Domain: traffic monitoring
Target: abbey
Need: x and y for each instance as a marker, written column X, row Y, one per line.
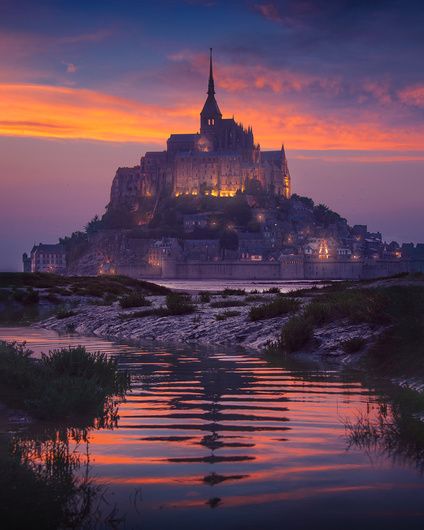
column 218, row 160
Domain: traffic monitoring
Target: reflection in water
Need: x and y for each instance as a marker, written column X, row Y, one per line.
column 393, row 432
column 48, row 472
column 210, row 438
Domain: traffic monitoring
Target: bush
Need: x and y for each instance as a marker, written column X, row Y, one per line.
column 272, row 290
column 179, row 304
column 227, row 314
column 358, row 305
column 66, row 382
column 353, row 345
column 205, row 297
column 296, row 333
column 277, row 307
column 134, row 300
column 228, row 303
column 255, row 298
column 65, row 313
column 233, row 292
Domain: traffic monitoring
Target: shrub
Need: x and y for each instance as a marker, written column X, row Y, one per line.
column 272, row 290
column 179, row 304
column 255, row 298
column 277, row 307
column 66, row 382
column 205, row 297
column 296, row 333
column 228, row 303
column 134, row 300
column 233, row 292
column 65, row 313
column 358, row 305
column 227, row 314
column 353, row 345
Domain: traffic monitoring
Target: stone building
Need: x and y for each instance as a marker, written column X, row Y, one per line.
column 46, row 258
column 218, row 160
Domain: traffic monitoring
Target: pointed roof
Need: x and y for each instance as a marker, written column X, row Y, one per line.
column 211, row 84
column 210, row 108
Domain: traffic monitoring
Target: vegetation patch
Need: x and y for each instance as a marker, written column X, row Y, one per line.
column 277, row 307
column 96, row 285
column 205, row 297
column 233, row 292
column 272, row 290
column 228, row 303
column 357, row 305
column 134, row 300
column 395, row 431
column 179, row 304
column 295, row 334
column 227, row 314
column 65, row 313
column 64, row 383
column 255, row 298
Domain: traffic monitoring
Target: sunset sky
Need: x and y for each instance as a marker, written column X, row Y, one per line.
column 87, row 86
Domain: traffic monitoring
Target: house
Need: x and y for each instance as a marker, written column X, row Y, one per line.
column 47, row 258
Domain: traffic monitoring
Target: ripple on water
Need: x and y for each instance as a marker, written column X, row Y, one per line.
column 262, row 445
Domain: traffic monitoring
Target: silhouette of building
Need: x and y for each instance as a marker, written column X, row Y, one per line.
column 218, row 160
column 45, row 258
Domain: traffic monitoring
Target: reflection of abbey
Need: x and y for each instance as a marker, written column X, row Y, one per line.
column 218, row 160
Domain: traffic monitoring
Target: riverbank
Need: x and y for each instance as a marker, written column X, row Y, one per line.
column 348, row 319
column 339, row 323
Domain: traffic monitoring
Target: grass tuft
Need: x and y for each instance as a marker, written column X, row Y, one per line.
column 63, row 383
column 134, row 300
column 277, row 307
column 227, row 314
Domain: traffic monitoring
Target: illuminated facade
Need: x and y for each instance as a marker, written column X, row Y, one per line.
column 218, row 160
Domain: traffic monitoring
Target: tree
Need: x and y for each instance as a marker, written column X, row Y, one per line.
column 94, row 225
column 309, row 203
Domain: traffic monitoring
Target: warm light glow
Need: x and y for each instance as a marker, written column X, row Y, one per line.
column 323, row 251
column 33, row 110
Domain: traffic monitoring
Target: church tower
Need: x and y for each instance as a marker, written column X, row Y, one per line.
column 211, row 116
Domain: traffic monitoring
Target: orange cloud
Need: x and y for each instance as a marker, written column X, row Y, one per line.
column 64, row 112
column 413, row 96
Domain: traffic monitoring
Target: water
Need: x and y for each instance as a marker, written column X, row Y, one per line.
column 212, row 439
column 248, row 285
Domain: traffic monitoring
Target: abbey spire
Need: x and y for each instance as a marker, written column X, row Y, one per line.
column 211, row 85
column 210, row 115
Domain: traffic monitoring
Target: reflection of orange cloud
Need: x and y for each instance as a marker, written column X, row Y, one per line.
column 64, row 112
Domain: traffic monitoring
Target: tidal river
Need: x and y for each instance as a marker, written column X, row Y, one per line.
column 214, row 439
